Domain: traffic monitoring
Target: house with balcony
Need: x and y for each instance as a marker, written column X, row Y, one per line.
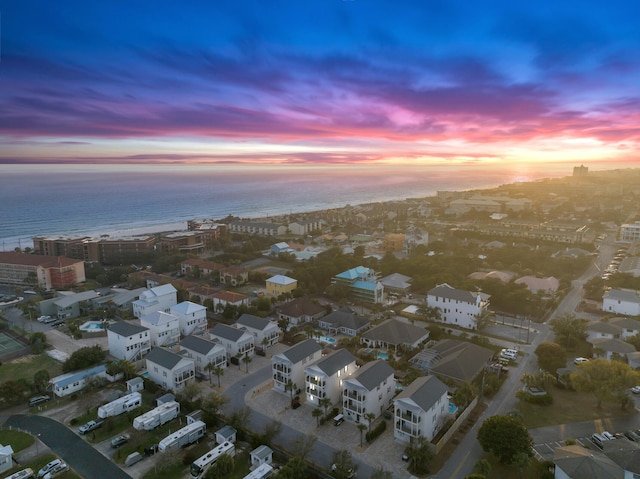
column 169, row 370
column 192, row 317
column 458, row 307
column 164, row 328
column 421, row 409
column 234, row 276
column 160, row 298
column 622, row 301
column 290, row 365
column 265, row 331
column 344, row 321
column 369, row 390
column 128, row 341
column 237, row 343
column 204, row 352
column 324, row 378
column 362, row 283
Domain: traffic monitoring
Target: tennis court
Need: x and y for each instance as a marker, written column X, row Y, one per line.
column 9, row 344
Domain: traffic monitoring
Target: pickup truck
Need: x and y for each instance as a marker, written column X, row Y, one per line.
column 90, row 426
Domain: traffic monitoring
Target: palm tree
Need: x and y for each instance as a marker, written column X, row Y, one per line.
column 216, row 369
column 370, row 417
column 246, row 360
column 317, row 412
column 290, row 386
column 324, row 403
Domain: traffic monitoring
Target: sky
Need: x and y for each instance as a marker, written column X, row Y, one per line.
column 320, row 82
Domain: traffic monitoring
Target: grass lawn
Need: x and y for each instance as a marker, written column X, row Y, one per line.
column 568, row 406
column 27, row 366
column 17, row 439
column 39, row 462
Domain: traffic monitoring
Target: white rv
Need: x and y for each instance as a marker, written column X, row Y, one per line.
column 157, row 417
column 183, row 437
column 124, row 404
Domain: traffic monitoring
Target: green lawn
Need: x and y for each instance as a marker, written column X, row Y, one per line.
column 25, row 368
column 16, row 439
column 568, row 406
column 40, row 461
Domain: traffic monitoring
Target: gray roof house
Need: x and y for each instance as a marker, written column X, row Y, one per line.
column 289, row 365
column 236, row 341
column 323, row 379
column 394, row 333
column 169, row 370
column 606, row 347
column 128, row 341
column 203, row 352
column 345, row 322
column 396, row 282
column 420, row 409
column 460, row 361
column 370, row 389
column 265, row 331
column 577, row 462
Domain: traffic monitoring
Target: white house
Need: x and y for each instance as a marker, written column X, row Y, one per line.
column 164, row 328
column 622, row 301
column 458, row 307
column 629, row 327
column 236, row 341
column 369, row 390
column 69, row 383
column 261, row 455
column 289, row 365
column 602, row 329
column 420, row 409
column 204, row 352
column 6, row 458
column 160, row 298
column 128, row 341
column 344, row 321
column 192, row 317
column 265, row 332
column 324, row 378
column 169, row 370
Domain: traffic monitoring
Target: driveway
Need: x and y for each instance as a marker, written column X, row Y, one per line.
column 71, row 448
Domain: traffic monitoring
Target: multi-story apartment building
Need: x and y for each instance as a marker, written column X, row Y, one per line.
column 305, row 227
column 105, row 249
column 363, row 284
column 630, row 231
column 458, row 307
column 257, row 228
column 288, row 367
column 369, row 390
column 192, row 317
column 324, row 378
column 169, row 370
column 421, row 409
column 47, row 272
column 128, row 341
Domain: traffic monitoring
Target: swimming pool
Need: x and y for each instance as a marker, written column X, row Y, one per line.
column 452, row 408
column 380, row 355
column 91, row 327
column 325, row 339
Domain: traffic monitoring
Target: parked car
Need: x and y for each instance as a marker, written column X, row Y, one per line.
column 635, row 389
column 120, row 440
column 50, row 466
column 90, row 426
column 580, row 360
column 35, row 400
column 632, row 436
column 58, row 469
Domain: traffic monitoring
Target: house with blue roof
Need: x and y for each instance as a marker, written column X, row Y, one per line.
column 70, row 383
column 363, row 283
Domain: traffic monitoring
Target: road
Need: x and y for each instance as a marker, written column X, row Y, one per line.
column 71, row 448
column 289, row 438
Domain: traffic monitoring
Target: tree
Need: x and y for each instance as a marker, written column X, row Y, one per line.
column 291, row 387
column 342, row 465
column 324, row 403
column 420, row 455
column 41, row 380
column 239, row 418
column 317, row 413
column 606, row 380
column 551, row 357
column 505, row 437
column 221, row 469
column 540, row 379
column 463, row 395
column 212, row 404
column 482, row 467
column 521, row 460
column 295, row 468
column 83, row 358
column 38, row 342
column 212, row 369
column 568, row 329
column 246, row 360
column 370, row 417
column 362, row 428
column 305, row 446
column 380, row 473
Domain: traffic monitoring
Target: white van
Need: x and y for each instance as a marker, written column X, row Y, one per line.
column 24, row 474
column 339, row 419
column 511, row 354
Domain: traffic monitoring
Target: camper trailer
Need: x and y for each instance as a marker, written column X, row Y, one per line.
column 157, row 417
column 183, row 437
column 124, row 404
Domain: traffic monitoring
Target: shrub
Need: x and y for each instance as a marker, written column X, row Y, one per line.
column 376, row 431
column 545, row 400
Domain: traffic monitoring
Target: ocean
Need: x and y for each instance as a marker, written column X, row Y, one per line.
column 38, row 200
